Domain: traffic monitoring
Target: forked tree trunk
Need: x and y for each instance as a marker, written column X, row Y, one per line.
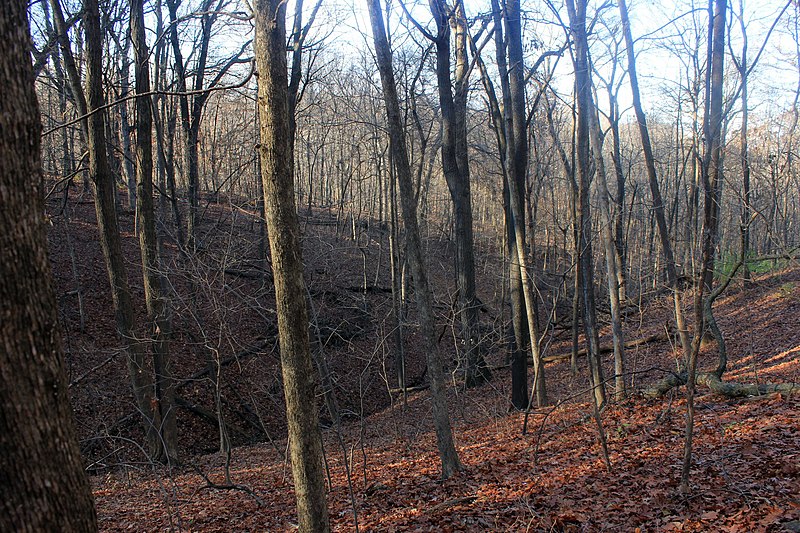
column 455, row 167
column 44, row 486
column 305, row 441
column 441, row 418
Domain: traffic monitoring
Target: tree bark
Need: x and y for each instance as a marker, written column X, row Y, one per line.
column 105, row 208
column 516, row 134
column 610, row 250
column 577, row 16
column 305, row 441
column 455, row 167
column 44, row 486
column 422, row 291
column 158, row 310
column 711, row 175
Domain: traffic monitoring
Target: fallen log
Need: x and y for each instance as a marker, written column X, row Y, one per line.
column 609, row 348
column 729, row 389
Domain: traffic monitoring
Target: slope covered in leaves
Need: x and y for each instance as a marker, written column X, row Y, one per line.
column 746, row 474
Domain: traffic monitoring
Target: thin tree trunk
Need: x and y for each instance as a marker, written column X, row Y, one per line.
column 158, row 310
column 611, row 258
column 658, row 203
column 712, row 175
column 577, row 15
column 512, row 83
column 441, row 418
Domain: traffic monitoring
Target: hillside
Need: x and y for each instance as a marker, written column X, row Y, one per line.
column 553, row 478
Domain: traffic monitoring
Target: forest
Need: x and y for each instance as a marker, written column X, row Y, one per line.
column 396, row 265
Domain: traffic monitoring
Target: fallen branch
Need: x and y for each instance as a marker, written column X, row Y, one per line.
column 415, row 388
column 209, row 416
column 226, row 486
column 465, row 500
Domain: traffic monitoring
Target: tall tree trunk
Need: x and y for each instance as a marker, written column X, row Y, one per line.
column 125, row 124
column 516, row 134
column 158, row 310
column 655, row 191
column 610, row 250
column 577, row 16
column 745, row 156
column 712, row 176
column 44, row 485
column 104, row 186
column 455, row 166
column 422, row 291
column 519, row 335
column 305, row 440
column 185, row 120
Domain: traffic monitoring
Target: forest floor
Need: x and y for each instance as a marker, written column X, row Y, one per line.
column 746, row 474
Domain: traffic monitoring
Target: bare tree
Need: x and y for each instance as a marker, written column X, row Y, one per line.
column 455, row 166
column 422, row 291
column 712, row 180
column 655, row 191
column 158, row 310
column 583, row 88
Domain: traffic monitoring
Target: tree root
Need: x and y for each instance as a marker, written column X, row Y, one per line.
column 723, row 388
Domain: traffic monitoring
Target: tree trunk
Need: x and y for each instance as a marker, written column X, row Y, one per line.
column 44, row 486
column 712, row 175
column 158, row 310
column 655, row 191
column 516, row 135
column 305, row 441
column 609, row 248
column 577, row 16
column 441, row 418
column 455, row 166
column 103, row 181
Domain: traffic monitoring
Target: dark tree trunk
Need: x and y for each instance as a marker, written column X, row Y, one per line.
column 455, row 166
column 105, row 208
column 577, row 16
column 516, row 136
column 441, row 418
column 305, row 441
column 158, row 311
column 44, row 486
